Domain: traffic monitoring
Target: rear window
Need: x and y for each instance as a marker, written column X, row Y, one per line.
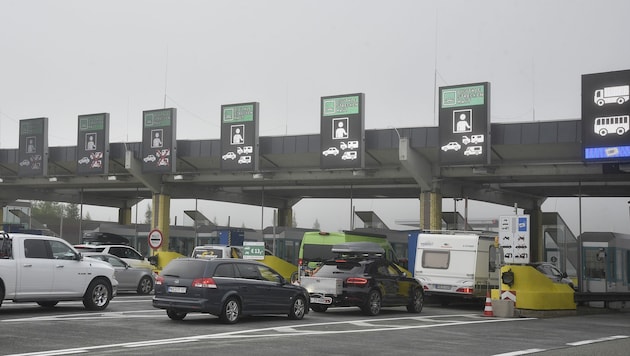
column 317, row 253
column 436, row 259
column 185, row 268
column 339, row 268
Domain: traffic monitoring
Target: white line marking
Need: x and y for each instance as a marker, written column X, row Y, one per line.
column 272, row 332
column 601, row 339
column 521, row 352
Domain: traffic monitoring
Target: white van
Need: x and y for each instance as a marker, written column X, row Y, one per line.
column 456, row 264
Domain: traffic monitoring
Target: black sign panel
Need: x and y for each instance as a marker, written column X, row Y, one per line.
column 93, row 144
column 606, row 116
column 465, row 124
column 342, row 133
column 239, row 137
column 159, row 142
column 33, row 151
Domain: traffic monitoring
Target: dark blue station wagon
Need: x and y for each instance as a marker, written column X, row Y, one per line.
column 227, row 288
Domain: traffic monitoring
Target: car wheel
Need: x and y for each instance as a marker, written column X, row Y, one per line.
column 145, row 286
column 1, row 294
column 175, row 315
column 319, row 308
column 48, row 303
column 97, row 295
column 231, row 311
column 372, row 304
column 298, row 309
column 417, row 301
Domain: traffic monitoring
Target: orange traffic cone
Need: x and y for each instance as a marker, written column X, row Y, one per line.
column 487, row 310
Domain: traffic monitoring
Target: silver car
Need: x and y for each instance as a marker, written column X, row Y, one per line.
column 130, row 278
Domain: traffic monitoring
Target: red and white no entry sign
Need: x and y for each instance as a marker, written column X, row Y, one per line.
column 155, row 239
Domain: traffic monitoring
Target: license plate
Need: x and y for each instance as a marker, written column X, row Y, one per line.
column 442, row 286
column 177, row 289
column 321, row 300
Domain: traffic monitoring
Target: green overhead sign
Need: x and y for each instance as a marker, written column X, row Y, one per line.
column 345, row 105
column 463, row 96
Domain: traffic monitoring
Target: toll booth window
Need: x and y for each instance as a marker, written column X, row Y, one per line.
column 492, row 259
column 436, row 259
column 595, row 263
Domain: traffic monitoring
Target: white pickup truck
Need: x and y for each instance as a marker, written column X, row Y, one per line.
column 46, row 270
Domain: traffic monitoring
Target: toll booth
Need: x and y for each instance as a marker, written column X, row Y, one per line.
column 605, row 263
column 232, row 237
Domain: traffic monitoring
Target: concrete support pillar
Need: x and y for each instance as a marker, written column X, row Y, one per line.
column 124, row 216
column 536, row 243
column 430, row 210
column 160, row 217
column 285, row 217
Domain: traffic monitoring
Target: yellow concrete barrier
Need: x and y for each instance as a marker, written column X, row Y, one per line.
column 535, row 291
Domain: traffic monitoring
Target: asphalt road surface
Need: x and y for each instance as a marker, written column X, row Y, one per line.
column 130, row 325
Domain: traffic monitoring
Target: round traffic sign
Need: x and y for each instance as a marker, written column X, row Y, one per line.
column 155, row 239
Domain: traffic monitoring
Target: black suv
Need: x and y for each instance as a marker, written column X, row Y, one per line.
column 227, row 288
column 368, row 282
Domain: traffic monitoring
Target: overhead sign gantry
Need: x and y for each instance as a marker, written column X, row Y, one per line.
column 606, row 116
column 239, row 137
column 342, row 133
column 33, row 150
column 93, row 144
column 464, row 118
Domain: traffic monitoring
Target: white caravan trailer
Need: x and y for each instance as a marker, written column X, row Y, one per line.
column 454, row 265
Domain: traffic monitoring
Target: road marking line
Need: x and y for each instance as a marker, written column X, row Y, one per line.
column 251, row 334
column 521, row 352
column 601, row 339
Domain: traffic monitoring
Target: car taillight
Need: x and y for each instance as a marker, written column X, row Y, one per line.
column 425, row 287
column 204, row 283
column 466, row 290
column 357, row 281
column 159, row 280
column 300, row 262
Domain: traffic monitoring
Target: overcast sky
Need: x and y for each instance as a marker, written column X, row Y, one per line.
column 60, row 59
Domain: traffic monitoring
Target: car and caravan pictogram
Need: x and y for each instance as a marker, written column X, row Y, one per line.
column 245, row 150
column 474, row 139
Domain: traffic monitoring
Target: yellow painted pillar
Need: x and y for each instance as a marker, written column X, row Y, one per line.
column 430, row 211
column 124, row 216
column 160, row 217
column 285, row 217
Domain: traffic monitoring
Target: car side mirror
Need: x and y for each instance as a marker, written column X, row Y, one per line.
column 153, row 260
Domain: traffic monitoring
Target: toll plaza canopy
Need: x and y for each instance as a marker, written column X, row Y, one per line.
column 529, row 162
